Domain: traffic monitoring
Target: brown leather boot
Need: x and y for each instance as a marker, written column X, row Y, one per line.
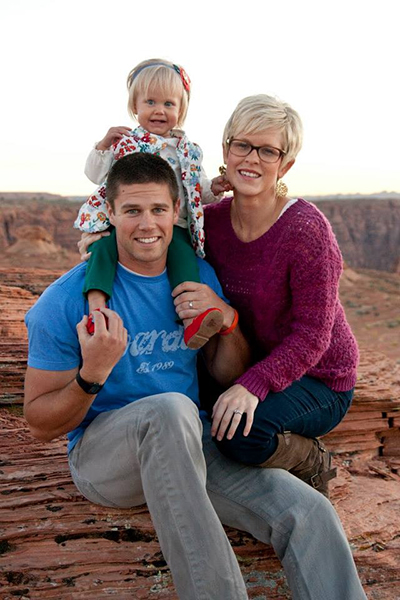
column 306, row 458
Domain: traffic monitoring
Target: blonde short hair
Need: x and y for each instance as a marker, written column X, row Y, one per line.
column 258, row 113
column 157, row 74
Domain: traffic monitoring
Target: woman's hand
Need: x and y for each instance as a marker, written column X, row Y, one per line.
column 113, row 135
column 192, row 299
column 237, row 398
column 86, row 240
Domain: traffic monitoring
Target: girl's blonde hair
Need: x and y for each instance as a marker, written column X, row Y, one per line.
column 258, row 113
column 161, row 75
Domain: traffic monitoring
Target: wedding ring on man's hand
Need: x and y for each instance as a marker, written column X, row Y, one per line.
column 237, row 412
column 190, row 304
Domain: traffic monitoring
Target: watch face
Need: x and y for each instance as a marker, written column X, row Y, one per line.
column 94, row 388
column 88, row 387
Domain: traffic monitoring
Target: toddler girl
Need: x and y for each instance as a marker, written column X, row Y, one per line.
column 159, row 93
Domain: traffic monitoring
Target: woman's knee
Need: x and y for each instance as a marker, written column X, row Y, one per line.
column 249, row 450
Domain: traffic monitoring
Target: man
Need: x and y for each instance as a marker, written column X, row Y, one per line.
column 128, row 399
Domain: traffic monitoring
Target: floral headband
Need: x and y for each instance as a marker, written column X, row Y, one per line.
column 180, row 70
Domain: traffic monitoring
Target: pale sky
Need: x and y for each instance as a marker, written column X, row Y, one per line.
column 65, row 63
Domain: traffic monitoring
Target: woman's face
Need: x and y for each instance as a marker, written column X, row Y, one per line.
column 249, row 175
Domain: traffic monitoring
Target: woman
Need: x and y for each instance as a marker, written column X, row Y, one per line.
column 279, row 264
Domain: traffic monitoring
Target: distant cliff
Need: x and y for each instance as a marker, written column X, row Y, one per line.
column 56, row 216
column 368, row 231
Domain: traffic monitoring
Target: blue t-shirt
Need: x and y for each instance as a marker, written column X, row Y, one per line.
column 156, row 359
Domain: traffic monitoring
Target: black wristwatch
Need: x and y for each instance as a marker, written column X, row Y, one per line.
column 88, row 387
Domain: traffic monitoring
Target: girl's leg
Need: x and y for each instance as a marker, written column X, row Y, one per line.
column 100, row 271
column 306, row 409
column 181, row 260
column 182, row 266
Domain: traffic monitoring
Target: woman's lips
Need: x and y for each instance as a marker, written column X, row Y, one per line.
column 250, row 174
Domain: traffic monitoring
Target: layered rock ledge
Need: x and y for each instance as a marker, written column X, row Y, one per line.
column 54, row 544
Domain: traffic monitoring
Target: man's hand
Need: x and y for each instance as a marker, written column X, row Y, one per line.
column 192, row 299
column 237, row 398
column 86, row 240
column 101, row 351
column 113, row 135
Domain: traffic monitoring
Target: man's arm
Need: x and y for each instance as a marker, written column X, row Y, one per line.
column 228, row 356
column 54, row 402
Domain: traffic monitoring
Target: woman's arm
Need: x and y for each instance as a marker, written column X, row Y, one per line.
column 315, row 266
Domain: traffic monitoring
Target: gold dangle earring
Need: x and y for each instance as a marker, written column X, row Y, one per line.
column 281, row 189
column 222, row 170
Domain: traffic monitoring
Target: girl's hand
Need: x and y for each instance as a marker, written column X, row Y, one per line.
column 219, row 185
column 86, row 240
column 113, row 135
column 192, row 299
column 237, row 398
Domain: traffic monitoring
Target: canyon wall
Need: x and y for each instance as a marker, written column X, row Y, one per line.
column 57, row 217
column 368, row 231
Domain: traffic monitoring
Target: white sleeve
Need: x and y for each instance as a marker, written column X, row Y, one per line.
column 98, row 163
column 207, row 197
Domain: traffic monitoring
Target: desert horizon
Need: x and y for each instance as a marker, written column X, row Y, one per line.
column 41, row 195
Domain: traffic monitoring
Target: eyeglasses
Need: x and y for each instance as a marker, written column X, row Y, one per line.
column 267, row 154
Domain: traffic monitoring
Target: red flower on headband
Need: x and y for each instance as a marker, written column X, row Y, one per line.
column 184, row 77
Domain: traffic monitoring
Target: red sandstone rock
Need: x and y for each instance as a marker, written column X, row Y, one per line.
column 56, row 545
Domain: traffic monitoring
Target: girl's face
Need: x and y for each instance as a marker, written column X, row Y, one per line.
column 249, row 175
column 158, row 113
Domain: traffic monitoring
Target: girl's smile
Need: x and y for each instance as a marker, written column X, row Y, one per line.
column 158, row 113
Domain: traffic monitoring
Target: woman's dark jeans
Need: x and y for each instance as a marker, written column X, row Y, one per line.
column 307, row 407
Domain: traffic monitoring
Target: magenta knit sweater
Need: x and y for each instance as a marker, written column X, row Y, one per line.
column 285, row 287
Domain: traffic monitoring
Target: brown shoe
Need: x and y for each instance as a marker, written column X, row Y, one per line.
column 306, row 458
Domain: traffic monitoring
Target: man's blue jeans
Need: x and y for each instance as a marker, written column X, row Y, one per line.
column 156, row 451
column 308, row 407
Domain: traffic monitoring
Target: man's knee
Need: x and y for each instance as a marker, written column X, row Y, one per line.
column 173, row 405
column 169, row 410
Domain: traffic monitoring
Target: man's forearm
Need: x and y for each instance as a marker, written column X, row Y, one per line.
column 59, row 411
column 227, row 357
column 54, row 402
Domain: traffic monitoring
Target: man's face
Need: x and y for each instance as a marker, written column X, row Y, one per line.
column 144, row 217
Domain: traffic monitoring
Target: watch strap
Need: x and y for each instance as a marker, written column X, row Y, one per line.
column 88, row 386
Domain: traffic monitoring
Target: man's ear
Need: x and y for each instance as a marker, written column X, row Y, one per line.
column 111, row 215
column 176, row 211
column 285, row 169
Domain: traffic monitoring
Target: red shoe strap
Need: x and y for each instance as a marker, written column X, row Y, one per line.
column 233, row 326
